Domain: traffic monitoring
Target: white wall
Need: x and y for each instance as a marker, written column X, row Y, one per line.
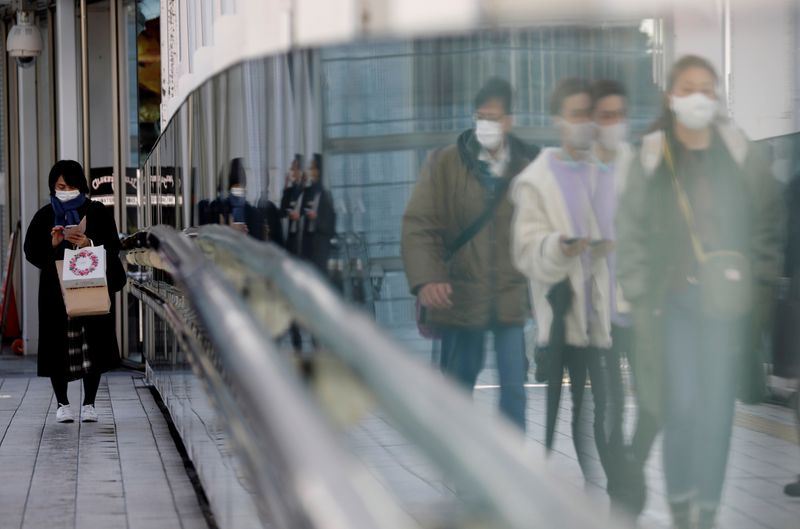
column 764, row 89
column 67, row 70
column 100, row 107
column 29, row 200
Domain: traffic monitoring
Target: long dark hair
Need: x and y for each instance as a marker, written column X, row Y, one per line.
column 666, row 121
column 72, row 173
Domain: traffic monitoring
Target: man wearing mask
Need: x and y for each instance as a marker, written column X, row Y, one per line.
column 456, row 249
column 613, row 156
column 558, row 243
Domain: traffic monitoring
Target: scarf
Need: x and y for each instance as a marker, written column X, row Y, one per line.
column 66, row 213
column 237, row 205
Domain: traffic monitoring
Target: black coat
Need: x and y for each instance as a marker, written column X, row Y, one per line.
column 100, row 331
column 219, row 212
column 315, row 245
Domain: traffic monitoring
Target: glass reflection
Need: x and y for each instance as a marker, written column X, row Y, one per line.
column 497, row 193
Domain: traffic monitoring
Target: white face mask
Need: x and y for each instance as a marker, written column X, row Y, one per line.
column 579, row 136
column 489, row 133
column 611, row 136
column 237, row 192
column 695, row 111
column 66, row 196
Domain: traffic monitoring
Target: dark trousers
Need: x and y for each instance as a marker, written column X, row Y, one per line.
column 602, row 369
column 91, row 382
column 463, row 355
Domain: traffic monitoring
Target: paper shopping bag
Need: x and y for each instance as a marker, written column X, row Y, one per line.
column 85, row 267
column 83, row 301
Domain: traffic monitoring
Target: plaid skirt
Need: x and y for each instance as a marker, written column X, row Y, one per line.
column 77, row 350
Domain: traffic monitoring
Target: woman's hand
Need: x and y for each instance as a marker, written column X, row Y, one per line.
column 78, row 239
column 57, row 236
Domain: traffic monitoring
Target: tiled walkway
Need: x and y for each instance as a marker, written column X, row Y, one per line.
column 764, row 457
column 121, row 472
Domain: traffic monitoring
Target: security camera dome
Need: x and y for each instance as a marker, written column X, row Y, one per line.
column 24, row 40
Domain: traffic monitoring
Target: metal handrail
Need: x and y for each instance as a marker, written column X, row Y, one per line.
column 313, row 483
column 485, row 454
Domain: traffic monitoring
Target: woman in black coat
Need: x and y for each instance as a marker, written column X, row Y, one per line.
column 45, row 243
column 319, row 219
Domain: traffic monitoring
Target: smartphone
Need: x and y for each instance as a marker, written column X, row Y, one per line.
column 573, row 240
column 598, row 242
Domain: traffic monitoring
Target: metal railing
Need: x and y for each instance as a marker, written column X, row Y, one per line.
column 485, row 455
column 301, row 475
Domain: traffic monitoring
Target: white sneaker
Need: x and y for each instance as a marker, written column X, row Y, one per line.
column 88, row 413
column 64, row 414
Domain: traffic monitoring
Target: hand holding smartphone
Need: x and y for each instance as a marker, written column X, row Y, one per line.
column 573, row 246
column 602, row 247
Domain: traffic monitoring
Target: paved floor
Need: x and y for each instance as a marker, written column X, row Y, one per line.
column 764, row 457
column 122, row 472
column 125, row 471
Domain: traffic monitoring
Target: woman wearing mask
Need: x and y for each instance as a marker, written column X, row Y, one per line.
column 318, row 222
column 699, row 228
column 557, row 243
column 234, row 210
column 291, row 204
column 45, row 242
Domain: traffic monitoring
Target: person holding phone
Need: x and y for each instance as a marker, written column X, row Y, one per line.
column 291, row 204
column 699, row 194
column 45, row 241
column 555, row 234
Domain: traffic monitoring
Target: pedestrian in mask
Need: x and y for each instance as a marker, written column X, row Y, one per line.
column 456, row 249
column 559, row 245
column 699, row 246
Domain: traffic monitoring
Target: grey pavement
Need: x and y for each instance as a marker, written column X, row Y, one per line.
column 121, row 472
column 764, row 457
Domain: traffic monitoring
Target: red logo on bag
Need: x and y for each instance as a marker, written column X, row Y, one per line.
column 79, row 266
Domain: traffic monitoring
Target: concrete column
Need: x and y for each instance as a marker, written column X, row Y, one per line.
column 67, row 69
column 29, row 200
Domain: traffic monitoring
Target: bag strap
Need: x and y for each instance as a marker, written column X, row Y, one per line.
column 478, row 224
column 685, row 205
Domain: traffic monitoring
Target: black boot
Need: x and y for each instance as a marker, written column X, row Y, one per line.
column 706, row 518
column 793, row 489
column 681, row 514
column 628, row 491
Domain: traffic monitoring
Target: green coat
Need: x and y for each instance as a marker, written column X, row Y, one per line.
column 447, row 198
column 653, row 239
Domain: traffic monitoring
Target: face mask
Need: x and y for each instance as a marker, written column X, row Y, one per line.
column 237, row 192
column 489, row 133
column 610, row 136
column 695, row 111
column 579, row 136
column 66, row 196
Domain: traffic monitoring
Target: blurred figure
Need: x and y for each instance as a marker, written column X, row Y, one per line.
column 272, row 219
column 559, row 244
column 787, row 363
column 233, row 209
column 456, row 249
column 316, row 226
column 318, row 218
column 700, row 224
column 613, row 156
column 291, row 203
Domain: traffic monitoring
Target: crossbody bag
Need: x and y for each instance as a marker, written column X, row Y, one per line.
column 724, row 277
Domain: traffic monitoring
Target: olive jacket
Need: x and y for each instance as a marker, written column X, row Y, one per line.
column 451, row 193
column 654, row 248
